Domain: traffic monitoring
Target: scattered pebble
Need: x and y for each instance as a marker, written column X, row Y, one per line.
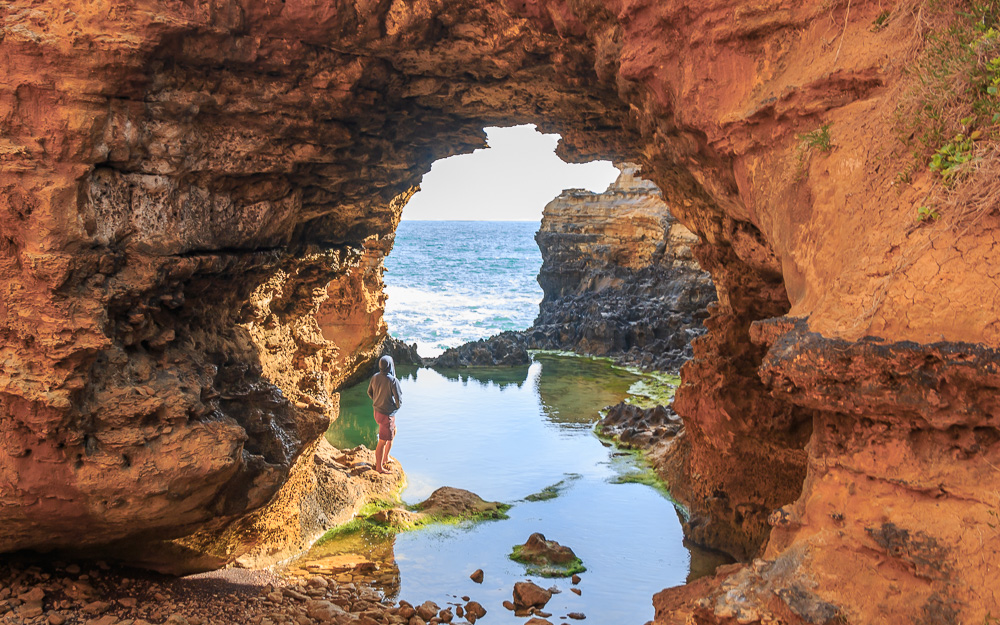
column 49, row 593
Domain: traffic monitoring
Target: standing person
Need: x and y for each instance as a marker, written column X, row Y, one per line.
column 386, row 396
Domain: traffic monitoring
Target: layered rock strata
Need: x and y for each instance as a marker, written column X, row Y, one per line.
column 161, row 164
column 619, row 277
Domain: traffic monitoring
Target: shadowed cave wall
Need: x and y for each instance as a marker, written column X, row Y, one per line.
column 187, row 187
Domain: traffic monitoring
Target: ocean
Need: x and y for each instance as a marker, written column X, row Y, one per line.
column 450, row 282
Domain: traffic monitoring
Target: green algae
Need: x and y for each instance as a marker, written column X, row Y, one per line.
column 366, row 524
column 554, row 490
column 656, row 388
column 546, row 569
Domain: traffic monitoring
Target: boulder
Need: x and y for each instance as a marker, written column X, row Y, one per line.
column 537, row 550
column 456, row 502
column 529, row 594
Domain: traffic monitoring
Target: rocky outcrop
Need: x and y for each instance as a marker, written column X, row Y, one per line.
column 181, row 182
column 507, row 349
column 643, row 428
column 320, row 494
column 402, row 353
column 618, row 276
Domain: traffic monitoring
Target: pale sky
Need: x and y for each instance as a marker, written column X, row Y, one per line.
column 512, row 180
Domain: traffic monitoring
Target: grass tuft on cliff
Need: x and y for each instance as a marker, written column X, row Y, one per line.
column 949, row 119
column 956, row 80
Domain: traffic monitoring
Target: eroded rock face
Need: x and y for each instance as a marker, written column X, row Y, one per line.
column 163, row 163
column 618, row 276
column 195, row 201
column 507, row 349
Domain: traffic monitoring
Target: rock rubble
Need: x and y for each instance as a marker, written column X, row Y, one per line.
column 47, row 593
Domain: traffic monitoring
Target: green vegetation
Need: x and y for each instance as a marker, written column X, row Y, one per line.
column 818, row 139
column 927, row 213
column 567, row 569
column 950, row 159
column 647, row 476
column 656, row 388
column 366, row 523
column 881, row 21
column 553, row 491
column 354, row 526
column 377, row 505
column 956, row 88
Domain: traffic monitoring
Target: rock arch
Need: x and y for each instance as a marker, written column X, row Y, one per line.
column 182, row 182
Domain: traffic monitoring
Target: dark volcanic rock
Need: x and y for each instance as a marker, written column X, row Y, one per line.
column 401, row 353
column 640, row 427
column 507, row 349
column 619, row 277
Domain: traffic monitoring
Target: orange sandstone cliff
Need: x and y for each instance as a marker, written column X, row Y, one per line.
column 181, row 182
column 619, row 277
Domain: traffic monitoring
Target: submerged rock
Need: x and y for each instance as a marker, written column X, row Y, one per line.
column 446, row 504
column 507, row 349
column 398, row 518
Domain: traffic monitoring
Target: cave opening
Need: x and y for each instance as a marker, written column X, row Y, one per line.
column 196, row 198
column 465, row 263
column 471, row 258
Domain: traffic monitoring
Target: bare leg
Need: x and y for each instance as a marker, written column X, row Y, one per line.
column 385, row 454
column 380, row 454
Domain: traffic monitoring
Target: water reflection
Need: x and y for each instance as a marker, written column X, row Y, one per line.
column 574, row 390
column 501, row 377
column 506, row 435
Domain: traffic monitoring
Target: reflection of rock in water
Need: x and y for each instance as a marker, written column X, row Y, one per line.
column 704, row 561
column 573, row 389
column 361, row 558
column 489, row 376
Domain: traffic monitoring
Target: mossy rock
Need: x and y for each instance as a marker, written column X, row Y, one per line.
column 445, row 505
column 547, row 558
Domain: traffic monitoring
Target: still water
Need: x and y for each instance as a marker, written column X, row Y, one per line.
column 506, row 434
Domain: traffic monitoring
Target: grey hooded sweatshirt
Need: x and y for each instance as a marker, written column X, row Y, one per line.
column 384, row 388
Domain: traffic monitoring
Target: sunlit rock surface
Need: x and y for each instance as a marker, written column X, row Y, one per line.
column 619, row 277
column 171, row 173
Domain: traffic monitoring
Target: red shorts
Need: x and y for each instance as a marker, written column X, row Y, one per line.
column 386, row 426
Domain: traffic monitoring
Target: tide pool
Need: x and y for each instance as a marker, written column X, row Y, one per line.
column 508, row 434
